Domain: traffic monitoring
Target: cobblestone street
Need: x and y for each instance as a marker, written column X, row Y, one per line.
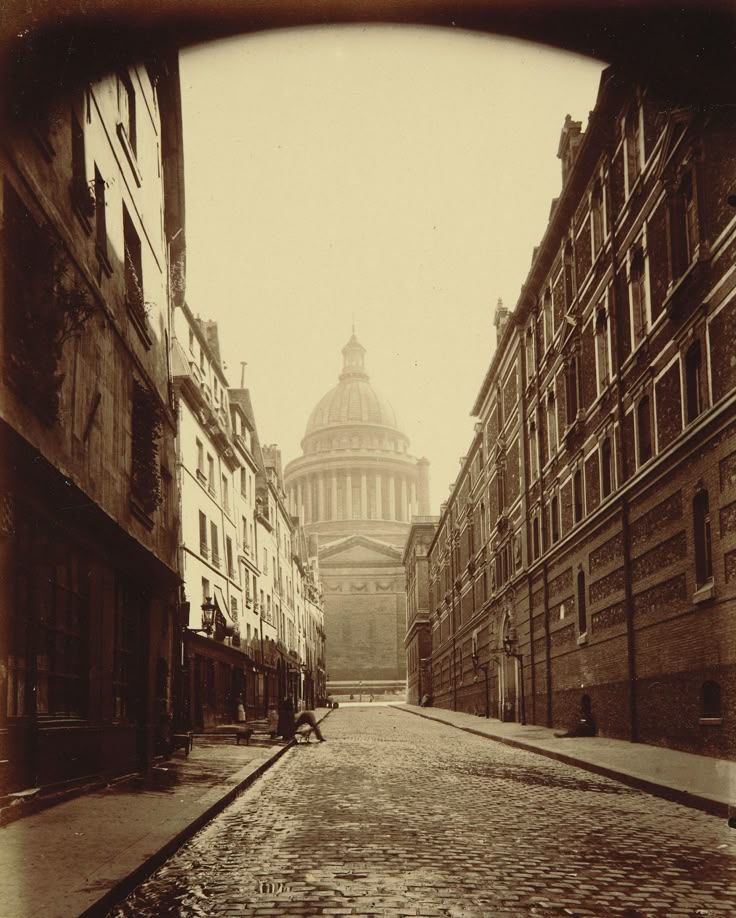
column 396, row 815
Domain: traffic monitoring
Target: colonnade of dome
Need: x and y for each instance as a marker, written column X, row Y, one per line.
column 354, row 493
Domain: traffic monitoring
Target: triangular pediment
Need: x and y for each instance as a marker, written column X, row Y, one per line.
column 359, row 549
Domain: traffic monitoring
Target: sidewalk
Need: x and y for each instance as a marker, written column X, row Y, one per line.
column 694, row 780
column 82, row 856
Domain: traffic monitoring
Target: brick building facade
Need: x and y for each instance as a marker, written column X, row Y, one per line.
column 593, row 524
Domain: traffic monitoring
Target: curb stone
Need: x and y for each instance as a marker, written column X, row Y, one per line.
column 674, row 794
column 125, row 886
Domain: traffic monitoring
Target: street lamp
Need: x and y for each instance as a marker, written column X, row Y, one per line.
column 208, row 616
column 509, row 644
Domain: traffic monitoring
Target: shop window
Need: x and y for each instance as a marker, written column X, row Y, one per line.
column 693, row 388
column 127, row 670
column 62, row 609
column 702, row 534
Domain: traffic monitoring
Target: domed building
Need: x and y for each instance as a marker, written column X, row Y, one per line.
column 356, row 488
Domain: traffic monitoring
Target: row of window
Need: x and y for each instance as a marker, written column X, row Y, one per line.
column 504, row 563
column 206, row 474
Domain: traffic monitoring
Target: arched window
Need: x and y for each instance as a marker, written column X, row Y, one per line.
column 711, row 699
column 638, row 295
column 582, row 607
column 535, row 535
column 577, row 495
column 606, row 468
column 693, row 382
column 701, row 532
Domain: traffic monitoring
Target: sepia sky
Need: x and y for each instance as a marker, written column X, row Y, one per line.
column 394, row 177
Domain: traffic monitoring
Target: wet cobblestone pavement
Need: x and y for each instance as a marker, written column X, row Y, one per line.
column 396, row 815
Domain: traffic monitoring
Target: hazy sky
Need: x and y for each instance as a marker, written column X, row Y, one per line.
column 395, row 177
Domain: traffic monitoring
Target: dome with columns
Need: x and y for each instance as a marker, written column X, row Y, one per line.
column 356, row 474
column 352, row 402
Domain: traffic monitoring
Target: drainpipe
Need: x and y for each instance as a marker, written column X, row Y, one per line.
column 525, row 516
column 543, row 533
column 547, row 643
column 625, row 527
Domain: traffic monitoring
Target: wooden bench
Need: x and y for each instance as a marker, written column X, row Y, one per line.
column 183, row 741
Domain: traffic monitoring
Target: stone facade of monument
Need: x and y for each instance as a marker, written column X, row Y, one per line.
column 356, row 487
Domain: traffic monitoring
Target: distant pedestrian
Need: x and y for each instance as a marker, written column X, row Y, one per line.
column 307, row 717
column 241, row 710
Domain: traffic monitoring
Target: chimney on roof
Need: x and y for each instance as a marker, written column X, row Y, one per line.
column 272, row 458
column 570, row 139
column 500, row 320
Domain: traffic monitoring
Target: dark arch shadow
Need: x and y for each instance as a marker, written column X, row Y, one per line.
column 687, row 48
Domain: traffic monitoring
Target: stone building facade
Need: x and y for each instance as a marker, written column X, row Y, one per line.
column 356, row 487
column 92, row 205
column 418, row 640
column 240, row 550
column 592, row 529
